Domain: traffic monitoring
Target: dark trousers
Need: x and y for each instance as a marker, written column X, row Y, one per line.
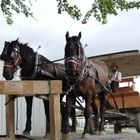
column 114, row 85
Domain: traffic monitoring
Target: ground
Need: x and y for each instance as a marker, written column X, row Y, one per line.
column 127, row 134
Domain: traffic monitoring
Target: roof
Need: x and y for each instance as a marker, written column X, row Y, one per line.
column 128, row 61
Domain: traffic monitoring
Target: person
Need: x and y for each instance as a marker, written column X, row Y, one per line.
column 115, row 77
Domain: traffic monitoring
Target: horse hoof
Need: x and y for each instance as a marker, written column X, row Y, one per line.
column 66, row 136
column 73, row 134
column 25, row 133
column 96, row 133
column 86, row 136
column 102, row 133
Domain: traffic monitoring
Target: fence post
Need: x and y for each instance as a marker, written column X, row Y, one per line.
column 54, row 104
column 10, row 118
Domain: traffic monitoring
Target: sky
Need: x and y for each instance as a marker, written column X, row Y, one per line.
column 48, row 30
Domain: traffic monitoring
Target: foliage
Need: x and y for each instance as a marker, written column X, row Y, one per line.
column 100, row 9
column 73, row 11
column 8, row 7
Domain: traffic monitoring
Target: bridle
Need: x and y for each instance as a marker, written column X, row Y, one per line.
column 80, row 62
column 16, row 58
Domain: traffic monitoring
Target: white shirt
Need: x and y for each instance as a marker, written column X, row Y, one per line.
column 116, row 75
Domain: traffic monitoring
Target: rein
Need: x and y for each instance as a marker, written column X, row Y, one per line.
column 58, row 60
column 105, row 88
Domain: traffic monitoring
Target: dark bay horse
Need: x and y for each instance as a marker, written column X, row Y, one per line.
column 88, row 80
column 32, row 67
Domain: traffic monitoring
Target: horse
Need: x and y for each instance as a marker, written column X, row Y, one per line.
column 88, row 80
column 33, row 66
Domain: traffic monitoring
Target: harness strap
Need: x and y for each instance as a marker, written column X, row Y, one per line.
column 56, row 72
column 105, row 88
column 36, row 68
column 9, row 65
column 47, row 74
column 36, row 62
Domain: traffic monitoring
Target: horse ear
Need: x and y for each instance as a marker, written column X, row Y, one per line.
column 79, row 36
column 4, row 52
column 17, row 39
column 67, row 36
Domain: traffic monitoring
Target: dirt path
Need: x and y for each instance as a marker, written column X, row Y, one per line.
column 128, row 136
column 113, row 137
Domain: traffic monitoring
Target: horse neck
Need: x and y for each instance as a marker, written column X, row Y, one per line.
column 27, row 65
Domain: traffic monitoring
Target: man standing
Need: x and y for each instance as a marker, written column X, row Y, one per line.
column 115, row 77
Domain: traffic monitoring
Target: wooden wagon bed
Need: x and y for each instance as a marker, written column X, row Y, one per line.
column 128, row 102
column 126, row 97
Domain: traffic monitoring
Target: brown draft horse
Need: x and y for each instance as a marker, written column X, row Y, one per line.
column 33, row 67
column 88, row 80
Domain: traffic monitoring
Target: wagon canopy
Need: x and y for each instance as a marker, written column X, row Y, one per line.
column 128, row 61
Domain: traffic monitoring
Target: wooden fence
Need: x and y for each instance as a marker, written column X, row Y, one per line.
column 31, row 88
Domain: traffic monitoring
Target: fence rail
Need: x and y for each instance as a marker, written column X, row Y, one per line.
column 29, row 88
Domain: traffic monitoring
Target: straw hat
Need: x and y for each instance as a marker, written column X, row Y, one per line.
column 114, row 65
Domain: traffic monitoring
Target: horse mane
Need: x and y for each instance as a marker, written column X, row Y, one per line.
column 45, row 59
column 29, row 51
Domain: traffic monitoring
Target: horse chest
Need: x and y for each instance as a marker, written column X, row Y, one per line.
column 85, row 87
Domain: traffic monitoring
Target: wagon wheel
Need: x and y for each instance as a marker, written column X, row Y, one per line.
column 138, row 122
column 117, row 128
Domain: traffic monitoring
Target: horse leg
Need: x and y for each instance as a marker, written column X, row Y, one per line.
column 66, row 129
column 73, row 118
column 46, row 108
column 72, row 114
column 29, row 102
column 63, row 111
column 96, row 117
column 102, row 112
column 88, row 117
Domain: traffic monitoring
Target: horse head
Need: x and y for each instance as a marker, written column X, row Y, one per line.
column 74, row 56
column 12, row 58
column 16, row 55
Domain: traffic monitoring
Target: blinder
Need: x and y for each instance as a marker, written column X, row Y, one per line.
column 14, row 53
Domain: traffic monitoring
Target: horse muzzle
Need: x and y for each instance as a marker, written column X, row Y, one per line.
column 8, row 72
column 71, row 66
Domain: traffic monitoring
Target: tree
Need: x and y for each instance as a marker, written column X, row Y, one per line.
column 100, row 9
column 9, row 7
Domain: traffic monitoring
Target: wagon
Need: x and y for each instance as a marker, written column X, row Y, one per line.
column 128, row 102
column 127, row 98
